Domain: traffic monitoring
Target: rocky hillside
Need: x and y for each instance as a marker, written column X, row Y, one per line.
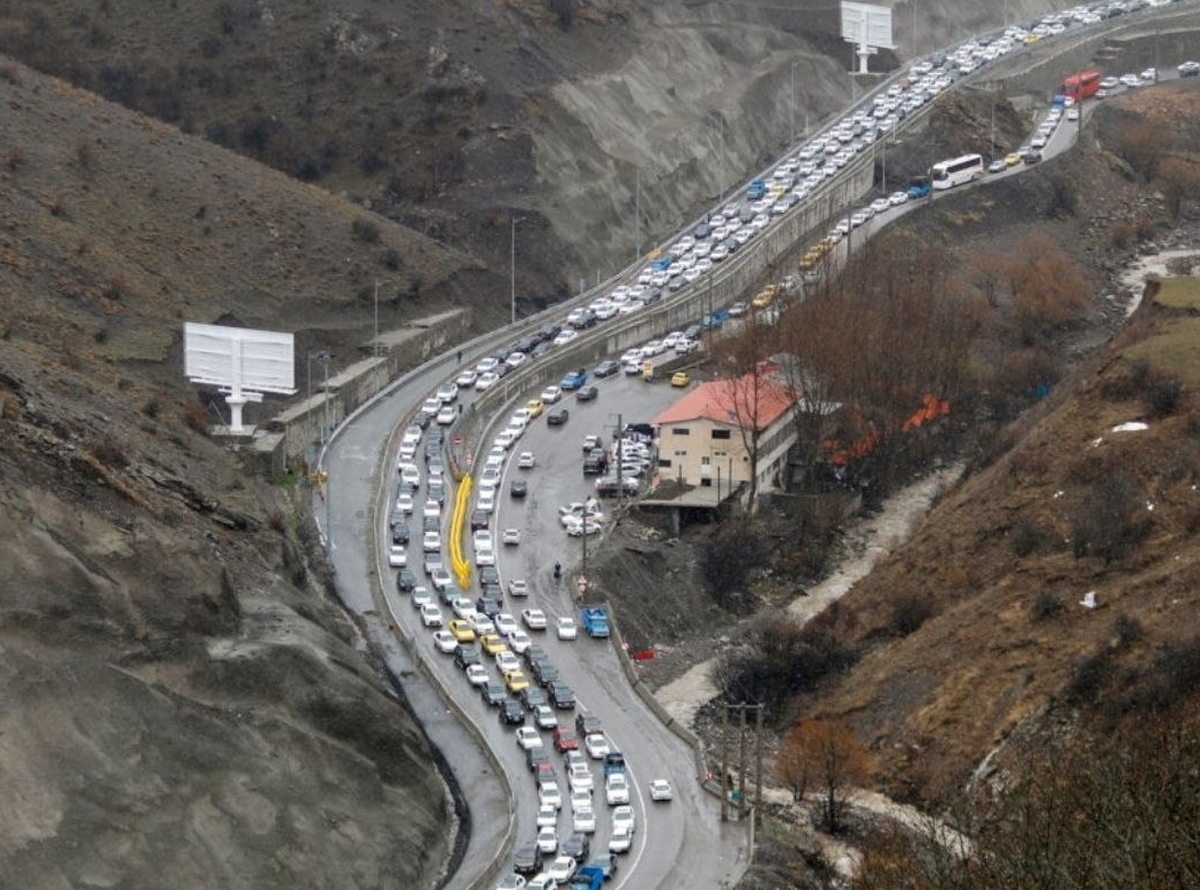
column 456, row 117
column 182, row 695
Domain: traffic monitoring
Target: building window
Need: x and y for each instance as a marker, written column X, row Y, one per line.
column 720, row 454
column 720, row 434
column 705, row 460
column 681, row 454
column 706, row 483
column 680, row 431
column 664, row 462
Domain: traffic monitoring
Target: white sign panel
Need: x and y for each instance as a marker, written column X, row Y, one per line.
column 867, row 25
column 240, row 358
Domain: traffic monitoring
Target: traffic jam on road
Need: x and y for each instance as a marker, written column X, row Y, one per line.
column 500, row 649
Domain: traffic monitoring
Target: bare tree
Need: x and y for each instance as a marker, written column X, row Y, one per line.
column 1179, row 179
column 828, row 754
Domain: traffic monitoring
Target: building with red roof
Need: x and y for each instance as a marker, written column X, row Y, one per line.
column 705, row 438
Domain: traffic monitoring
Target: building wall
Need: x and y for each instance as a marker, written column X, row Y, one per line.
column 702, row 460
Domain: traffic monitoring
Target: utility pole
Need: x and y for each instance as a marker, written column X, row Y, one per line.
column 725, row 764
column 512, row 267
column 620, row 458
column 637, row 214
column 793, row 142
column 376, row 340
column 742, row 762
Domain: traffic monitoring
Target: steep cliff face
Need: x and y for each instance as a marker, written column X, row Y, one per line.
column 183, row 702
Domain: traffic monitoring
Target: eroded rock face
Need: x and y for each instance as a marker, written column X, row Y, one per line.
column 176, row 709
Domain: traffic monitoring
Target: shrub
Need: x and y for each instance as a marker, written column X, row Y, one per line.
column 1090, row 676
column 15, row 158
column 1110, row 520
column 196, row 417
column 910, row 613
column 109, row 452
column 151, row 408
column 1162, row 397
column 1128, row 631
column 1027, row 537
column 1047, row 605
column 726, row 564
column 365, row 231
column 391, row 259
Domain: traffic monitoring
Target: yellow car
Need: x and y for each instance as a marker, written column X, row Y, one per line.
column 492, row 643
column 1011, row 160
column 680, row 378
column 765, row 297
column 462, row 631
column 516, row 681
column 535, row 407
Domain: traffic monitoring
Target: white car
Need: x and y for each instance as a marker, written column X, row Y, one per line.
column 622, row 819
column 576, row 527
column 547, row 816
column 581, row 800
column 431, row 542
column 561, row 869
column 580, row 778
column 410, row 473
column 486, row 381
column 549, row 794
column 448, row 392
column 526, row 460
column 527, row 736
column 420, row 596
column 486, row 502
column 516, row 359
column 487, row 364
column 467, row 378
column 660, row 789
column 397, row 556
column 616, row 789
column 551, row 394
column 485, row 556
column 535, row 619
column 505, row 438
column 431, row 405
column 565, row 628
column 506, row 624
column 620, row 841
column 596, row 745
column 511, row 536
column 431, row 615
column 404, row 502
column 565, row 336
column 519, row 641
column 446, row 415
column 547, row 840
column 440, row 578
column 518, row 587
column 477, row 675
column 507, row 662
column 583, row 820
column 445, row 641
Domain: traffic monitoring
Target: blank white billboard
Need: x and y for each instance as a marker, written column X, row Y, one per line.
column 239, row 358
column 867, row 25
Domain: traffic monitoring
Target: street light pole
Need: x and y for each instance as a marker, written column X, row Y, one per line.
column 793, row 142
column 376, row 340
column 512, row 267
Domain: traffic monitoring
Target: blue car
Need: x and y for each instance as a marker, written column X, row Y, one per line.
column 755, row 190
column 574, row 380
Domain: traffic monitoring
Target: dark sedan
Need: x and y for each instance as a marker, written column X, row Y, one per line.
column 511, row 712
column 587, row 394
column 492, row 692
column 527, row 859
column 607, row 368
column 557, row 417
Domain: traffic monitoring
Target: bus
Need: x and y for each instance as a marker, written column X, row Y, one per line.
column 956, row 171
column 1081, row 86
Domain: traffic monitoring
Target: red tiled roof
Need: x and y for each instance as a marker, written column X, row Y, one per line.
column 731, row 402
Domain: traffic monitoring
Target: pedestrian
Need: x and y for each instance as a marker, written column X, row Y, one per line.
column 460, row 356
